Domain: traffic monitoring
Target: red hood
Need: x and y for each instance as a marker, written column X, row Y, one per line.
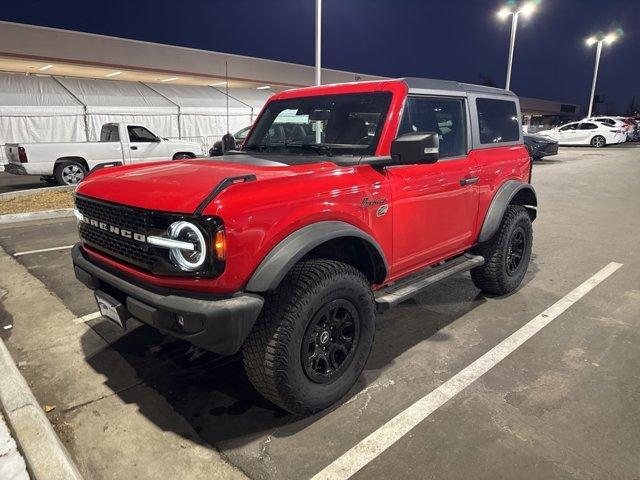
column 176, row 186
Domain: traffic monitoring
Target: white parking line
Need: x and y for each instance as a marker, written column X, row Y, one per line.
column 52, row 249
column 86, row 318
column 368, row 449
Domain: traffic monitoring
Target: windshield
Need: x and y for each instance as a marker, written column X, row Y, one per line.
column 345, row 124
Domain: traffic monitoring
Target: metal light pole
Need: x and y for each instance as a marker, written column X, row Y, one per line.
column 318, row 125
column 599, row 41
column 595, row 77
column 526, row 9
column 318, row 42
column 514, row 27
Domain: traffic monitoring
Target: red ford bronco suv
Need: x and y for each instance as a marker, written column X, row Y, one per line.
column 286, row 249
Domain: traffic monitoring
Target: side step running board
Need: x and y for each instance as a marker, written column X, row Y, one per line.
column 402, row 290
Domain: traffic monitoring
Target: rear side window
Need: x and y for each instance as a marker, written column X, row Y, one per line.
column 498, row 120
column 444, row 116
column 109, row 133
column 588, row 126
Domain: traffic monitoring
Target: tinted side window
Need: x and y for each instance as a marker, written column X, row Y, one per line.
column 109, row 133
column 588, row 126
column 571, row 126
column 140, row 134
column 443, row 116
column 498, row 121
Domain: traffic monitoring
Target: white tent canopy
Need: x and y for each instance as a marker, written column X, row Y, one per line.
column 111, row 101
column 203, row 110
column 64, row 109
column 38, row 109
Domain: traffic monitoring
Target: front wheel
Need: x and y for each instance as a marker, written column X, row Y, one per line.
column 313, row 337
column 506, row 254
column 598, row 141
column 183, row 156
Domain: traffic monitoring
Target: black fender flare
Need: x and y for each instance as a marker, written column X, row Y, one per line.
column 508, row 191
column 295, row 246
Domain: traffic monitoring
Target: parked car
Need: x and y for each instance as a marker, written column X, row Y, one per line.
column 628, row 126
column 540, row 146
column 594, row 133
column 67, row 163
column 278, row 133
column 239, row 136
column 286, row 250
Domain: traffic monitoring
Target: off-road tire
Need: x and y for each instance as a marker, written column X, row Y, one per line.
column 494, row 277
column 272, row 353
column 59, row 172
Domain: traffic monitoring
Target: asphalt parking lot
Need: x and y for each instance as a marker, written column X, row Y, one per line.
column 563, row 404
column 13, row 183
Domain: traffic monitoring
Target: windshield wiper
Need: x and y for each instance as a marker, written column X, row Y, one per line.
column 321, row 148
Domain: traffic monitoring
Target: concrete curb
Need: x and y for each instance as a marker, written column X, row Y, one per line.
column 44, row 215
column 43, row 451
column 22, row 193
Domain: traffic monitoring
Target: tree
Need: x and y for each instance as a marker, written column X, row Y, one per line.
column 487, row 80
column 633, row 107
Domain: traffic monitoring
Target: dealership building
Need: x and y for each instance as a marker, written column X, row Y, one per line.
column 60, row 85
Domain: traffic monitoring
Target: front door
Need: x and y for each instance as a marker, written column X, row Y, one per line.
column 145, row 146
column 434, row 205
column 568, row 135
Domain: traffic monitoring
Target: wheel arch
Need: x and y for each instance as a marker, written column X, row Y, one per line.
column 511, row 192
column 190, row 154
column 332, row 240
column 80, row 160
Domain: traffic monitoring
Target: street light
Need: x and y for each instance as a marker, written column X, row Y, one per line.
column 599, row 40
column 526, row 9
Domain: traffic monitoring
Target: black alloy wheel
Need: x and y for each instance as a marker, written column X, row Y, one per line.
column 515, row 253
column 328, row 343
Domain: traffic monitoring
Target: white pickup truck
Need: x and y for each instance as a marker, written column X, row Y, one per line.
column 67, row 163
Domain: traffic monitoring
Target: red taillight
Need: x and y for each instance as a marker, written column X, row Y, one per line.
column 22, row 155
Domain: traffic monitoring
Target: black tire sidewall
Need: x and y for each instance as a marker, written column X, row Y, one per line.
column 596, row 146
column 314, row 395
column 511, row 282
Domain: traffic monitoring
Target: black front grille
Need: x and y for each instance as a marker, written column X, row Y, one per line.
column 102, row 229
column 112, row 243
column 135, row 219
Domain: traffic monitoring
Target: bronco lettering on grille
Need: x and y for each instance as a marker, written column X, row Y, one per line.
column 121, row 232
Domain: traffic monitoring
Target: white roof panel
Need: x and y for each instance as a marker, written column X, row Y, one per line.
column 22, row 95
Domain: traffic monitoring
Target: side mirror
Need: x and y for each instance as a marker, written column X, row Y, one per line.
column 413, row 148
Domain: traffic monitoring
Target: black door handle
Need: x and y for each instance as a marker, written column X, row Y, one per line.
column 469, row 181
column 134, row 148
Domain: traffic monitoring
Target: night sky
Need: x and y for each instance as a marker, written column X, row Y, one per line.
column 449, row 39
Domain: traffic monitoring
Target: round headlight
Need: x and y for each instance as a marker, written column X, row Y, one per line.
column 188, row 260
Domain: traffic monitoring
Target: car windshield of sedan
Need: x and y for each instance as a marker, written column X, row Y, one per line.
column 328, row 125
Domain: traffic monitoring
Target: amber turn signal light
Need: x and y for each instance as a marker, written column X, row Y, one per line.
column 220, row 245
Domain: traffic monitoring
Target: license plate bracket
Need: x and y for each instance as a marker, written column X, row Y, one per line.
column 111, row 309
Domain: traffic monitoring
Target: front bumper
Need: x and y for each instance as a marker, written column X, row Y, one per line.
column 219, row 325
column 15, row 169
column 544, row 149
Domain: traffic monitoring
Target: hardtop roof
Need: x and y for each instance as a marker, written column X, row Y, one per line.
column 452, row 86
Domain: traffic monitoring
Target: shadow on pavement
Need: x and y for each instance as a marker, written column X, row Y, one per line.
column 213, row 394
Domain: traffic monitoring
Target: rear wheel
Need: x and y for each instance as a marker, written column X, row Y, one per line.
column 69, row 172
column 313, row 337
column 506, row 254
column 598, row 141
